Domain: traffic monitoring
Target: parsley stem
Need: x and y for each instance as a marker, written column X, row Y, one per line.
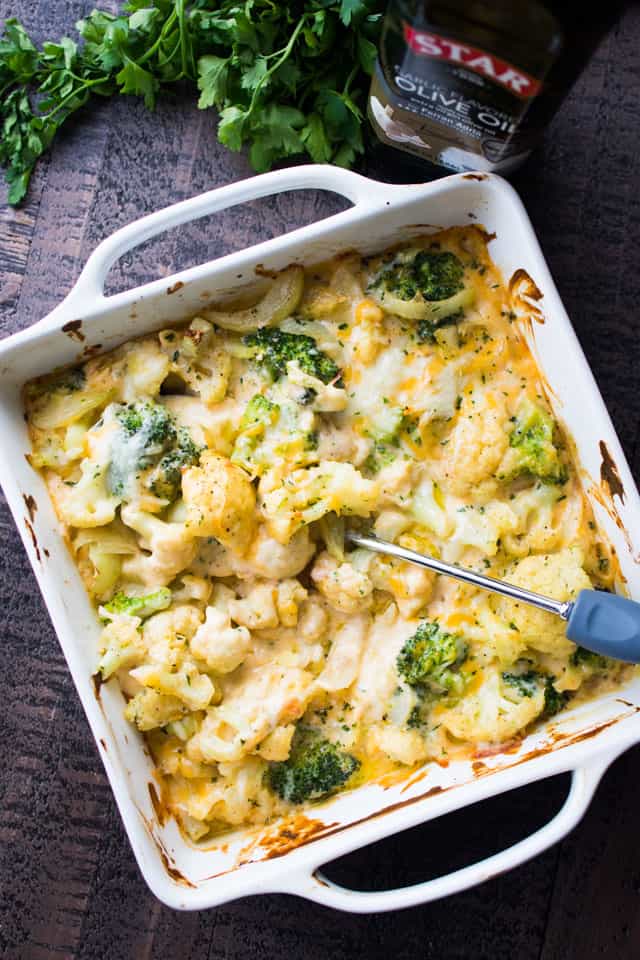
column 183, row 36
column 87, row 84
column 166, row 26
column 286, row 53
column 350, row 78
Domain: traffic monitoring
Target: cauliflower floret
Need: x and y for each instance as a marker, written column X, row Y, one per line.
column 494, row 712
column 343, row 659
column 267, row 557
column 265, row 606
column 238, row 795
column 192, row 588
column 335, row 443
column 169, row 545
column 196, row 361
column 221, row 646
column 430, row 509
column 244, row 797
column 133, row 371
column 121, row 644
column 213, row 560
column 492, row 637
column 150, row 709
column 145, row 368
column 214, row 427
column 289, row 595
column 277, row 746
column 558, row 575
column 87, row 502
column 168, row 753
column 275, row 433
column 166, row 633
column 220, row 502
column 396, row 482
column 410, row 586
column 345, row 586
column 196, row 690
column 389, row 524
column 312, row 620
column 402, row 746
column 269, row 696
column 367, row 335
column 484, row 527
column 538, row 530
column 477, row 444
column 193, row 800
column 257, row 609
column 308, row 494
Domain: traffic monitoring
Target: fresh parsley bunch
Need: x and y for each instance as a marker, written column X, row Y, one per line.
column 287, row 79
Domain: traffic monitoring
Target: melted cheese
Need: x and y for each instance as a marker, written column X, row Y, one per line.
column 413, row 441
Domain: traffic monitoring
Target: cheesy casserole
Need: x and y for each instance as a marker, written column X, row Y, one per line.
column 204, row 475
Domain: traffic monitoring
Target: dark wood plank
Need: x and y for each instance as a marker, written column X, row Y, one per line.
column 584, row 203
column 69, row 886
column 596, row 895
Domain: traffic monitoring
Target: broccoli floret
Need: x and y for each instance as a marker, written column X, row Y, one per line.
column 435, row 275
column 166, row 478
column 140, row 606
column 415, row 718
column 554, row 700
column 532, row 446
column 527, row 684
column 274, row 349
column 426, row 329
column 386, row 432
column 146, row 431
column 431, row 657
column 380, row 456
column 259, row 411
column 315, row 768
column 151, row 421
column 427, row 286
column 419, row 715
column 595, row 661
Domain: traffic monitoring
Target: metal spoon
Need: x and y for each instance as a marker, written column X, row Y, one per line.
column 602, row 622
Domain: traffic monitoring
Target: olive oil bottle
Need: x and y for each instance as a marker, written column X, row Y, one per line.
column 472, row 84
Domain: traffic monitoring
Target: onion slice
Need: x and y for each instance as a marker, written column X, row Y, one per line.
column 278, row 303
column 420, row 309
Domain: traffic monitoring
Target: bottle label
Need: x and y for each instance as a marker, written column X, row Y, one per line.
column 435, row 47
column 452, row 102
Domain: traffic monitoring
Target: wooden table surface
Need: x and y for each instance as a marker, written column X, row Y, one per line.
column 69, row 886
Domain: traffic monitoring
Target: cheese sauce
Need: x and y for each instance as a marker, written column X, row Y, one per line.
column 203, row 477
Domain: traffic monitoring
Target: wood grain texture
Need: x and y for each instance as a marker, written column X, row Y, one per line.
column 69, row 887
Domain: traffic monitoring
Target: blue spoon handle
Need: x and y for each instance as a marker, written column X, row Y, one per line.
column 606, row 623
column 602, row 622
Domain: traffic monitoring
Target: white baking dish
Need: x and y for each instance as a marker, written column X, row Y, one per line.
column 285, row 857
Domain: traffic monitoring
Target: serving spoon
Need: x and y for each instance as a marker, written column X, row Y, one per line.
column 602, row 622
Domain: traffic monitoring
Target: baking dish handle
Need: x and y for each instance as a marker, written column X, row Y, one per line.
column 316, row 886
column 357, row 189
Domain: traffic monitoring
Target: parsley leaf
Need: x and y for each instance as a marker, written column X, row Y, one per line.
column 213, row 73
column 286, row 79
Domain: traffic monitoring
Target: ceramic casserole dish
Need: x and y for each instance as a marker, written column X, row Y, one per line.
column 286, row 856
